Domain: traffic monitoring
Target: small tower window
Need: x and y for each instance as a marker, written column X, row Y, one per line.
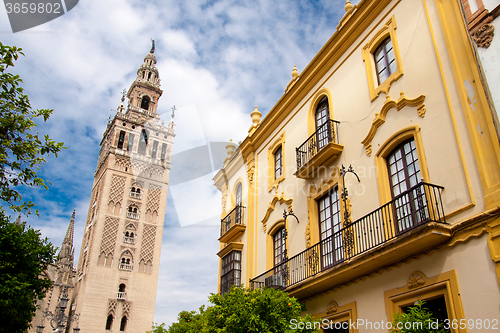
column 123, row 324
column 163, row 151
column 155, row 149
column 149, row 76
column 121, row 139
column 121, row 288
column 109, row 322
column 130, row 144
column 143, row 142
column 145, row 102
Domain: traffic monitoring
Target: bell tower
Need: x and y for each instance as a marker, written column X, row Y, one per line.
column 117, row 271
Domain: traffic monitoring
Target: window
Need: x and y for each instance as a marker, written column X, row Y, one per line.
column 145, row 103
column 239, row 200
column 155, row 149
column 322, row 117
column 279, row 248
column 278, row 166
column 330, row 225
column 143, row 142
column 109, row 322
column 163, row 151
column 130, row 144
column 230, row 271
column 404, row 174
column 121, row 139
column 437, row 306
column 382, row 59
column 123, row 324
column 385, row 63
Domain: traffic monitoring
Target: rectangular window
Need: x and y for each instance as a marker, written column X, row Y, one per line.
column 279, row 247
column 437, row 306
column 163, row 151
column 155, row 149
column 230, row 271
column 278, row 163
column 130, row 144
column 121, row 139
column 330, row 225
column 385, row 62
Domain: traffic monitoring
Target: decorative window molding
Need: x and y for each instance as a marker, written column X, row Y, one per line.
column 272, row 204
column 311, row 119
column 388, row 30
column 279, row 142
column 389, row 104
column 419, row 287
column 335, row 314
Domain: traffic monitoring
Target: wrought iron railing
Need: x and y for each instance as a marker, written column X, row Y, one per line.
column 419, row 205
column 135, row 195
column 234, row 217
column 121, row 295
column 326, row 133
column 129, row 240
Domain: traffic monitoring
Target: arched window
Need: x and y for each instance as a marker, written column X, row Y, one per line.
column 127, row 234
column 121, row 139
column 109, row 322
column 279, row 247
column 143, row 142
column 404, row 174
column 330, row 224
column 322, row 117
column 123, row 324
column 385, row 62
column 121, row 288
column 239, row 199
column 145, row 103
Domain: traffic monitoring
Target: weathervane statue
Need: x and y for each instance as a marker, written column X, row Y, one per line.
column 153, row 46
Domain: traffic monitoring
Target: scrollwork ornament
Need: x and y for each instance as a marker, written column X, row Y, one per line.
column 415, row 280
column 484, row 35
column 332, row 308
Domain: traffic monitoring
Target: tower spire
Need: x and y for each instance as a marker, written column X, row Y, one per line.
column 67, row 245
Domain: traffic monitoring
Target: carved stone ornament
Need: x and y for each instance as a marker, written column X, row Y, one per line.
column 484, row 35
column 416, row 280
column 332, row 308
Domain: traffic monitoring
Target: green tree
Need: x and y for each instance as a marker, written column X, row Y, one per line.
column 417, row 319
column 244, row 310
column 22, row 149
column 24, row 255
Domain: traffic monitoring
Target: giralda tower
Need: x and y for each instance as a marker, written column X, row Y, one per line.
column 117, row 272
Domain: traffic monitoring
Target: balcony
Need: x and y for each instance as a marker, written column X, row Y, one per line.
column 121, row 296
column 134, row 216
column 129, row 240
column 136, row 195
column 412, row 222
column 126, row 267
column 321, row 147
column 232, row 225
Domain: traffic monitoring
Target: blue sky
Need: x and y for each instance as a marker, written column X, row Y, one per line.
column 217, row 60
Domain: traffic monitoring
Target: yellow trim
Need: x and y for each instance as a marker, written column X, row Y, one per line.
column 236, row 246
column 493, row 229
column 445, row 284
column 311, row 119
column 251, row 222
column 389, row 30
column 386, row 148
column 452, row 115
column 280, row 142
column 477, row 112
column 335, row 313
column 270, row 243
column 272, row 204
column 389, row 104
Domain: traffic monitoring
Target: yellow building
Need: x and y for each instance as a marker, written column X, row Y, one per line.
column 396, row 94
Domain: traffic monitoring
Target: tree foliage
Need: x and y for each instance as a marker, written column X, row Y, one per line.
column 241, row 311
column 417, row 319
column 24, row 255
column 22, row 148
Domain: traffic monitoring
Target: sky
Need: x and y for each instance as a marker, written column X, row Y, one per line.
column 217, row 60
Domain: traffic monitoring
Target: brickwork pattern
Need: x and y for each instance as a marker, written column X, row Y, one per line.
column 148, row 243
